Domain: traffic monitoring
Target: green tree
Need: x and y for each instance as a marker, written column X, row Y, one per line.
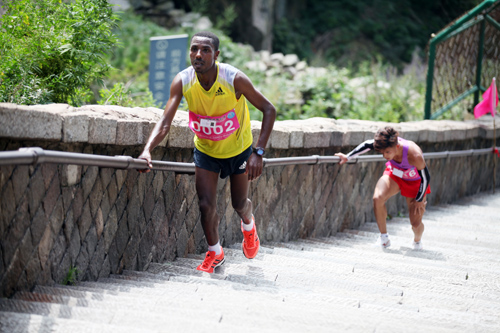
column 51, row 51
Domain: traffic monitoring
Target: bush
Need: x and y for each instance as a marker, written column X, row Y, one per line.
column 373, row 92
column 121, row 95
column 51, row 51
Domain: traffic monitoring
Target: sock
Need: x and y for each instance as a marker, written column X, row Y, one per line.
column 248, row 227
column 384, row 236
column 216, row 248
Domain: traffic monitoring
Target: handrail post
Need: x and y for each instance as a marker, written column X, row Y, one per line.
column 479, row 66
column 430, row 80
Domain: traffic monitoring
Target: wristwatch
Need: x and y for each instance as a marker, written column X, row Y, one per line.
column 259, row 151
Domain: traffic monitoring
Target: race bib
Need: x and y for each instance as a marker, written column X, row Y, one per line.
column 397, row 172
column 410, row 174
column 214, row 128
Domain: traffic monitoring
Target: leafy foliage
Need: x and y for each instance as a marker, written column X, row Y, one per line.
column 346, row 32
column 375, row 92
column 71, row 277
column 121, row 95
column 51, row 51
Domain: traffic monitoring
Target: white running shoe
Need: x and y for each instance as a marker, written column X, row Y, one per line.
column 418, row 245
column 384, row 243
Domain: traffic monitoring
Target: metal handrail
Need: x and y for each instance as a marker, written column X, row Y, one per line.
column 35, row 155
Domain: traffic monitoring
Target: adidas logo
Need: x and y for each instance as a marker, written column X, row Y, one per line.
column 219, row 92
column 243, row 166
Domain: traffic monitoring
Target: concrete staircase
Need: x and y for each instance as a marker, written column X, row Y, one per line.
column 338, row 284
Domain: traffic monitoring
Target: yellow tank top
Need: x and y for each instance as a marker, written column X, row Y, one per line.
column 217, row 102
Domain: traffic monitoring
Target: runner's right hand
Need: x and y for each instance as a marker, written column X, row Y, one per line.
column 343, row 158
column 146, row 156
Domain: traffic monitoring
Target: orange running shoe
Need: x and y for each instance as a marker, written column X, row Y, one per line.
column 211, row 261
column 251, row 242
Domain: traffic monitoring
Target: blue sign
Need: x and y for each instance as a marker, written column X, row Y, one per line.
column 167, row 57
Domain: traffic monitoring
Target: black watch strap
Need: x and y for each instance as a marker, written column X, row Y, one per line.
column 259, row 151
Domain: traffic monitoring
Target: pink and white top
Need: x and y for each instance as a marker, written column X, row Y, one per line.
column 404, row 169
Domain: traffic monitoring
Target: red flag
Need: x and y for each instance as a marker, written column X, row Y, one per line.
column 489, row 103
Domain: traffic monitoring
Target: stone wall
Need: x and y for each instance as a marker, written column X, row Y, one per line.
column 102, row 220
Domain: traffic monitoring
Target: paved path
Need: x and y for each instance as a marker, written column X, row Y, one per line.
column 338, row 284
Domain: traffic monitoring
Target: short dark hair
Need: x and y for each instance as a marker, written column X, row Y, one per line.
column 385, row 137
column 210, row 35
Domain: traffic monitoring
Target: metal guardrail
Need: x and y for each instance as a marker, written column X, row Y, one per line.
column 34, row 155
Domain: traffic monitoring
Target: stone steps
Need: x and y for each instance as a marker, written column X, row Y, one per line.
column 15, row 322
column 340, row 283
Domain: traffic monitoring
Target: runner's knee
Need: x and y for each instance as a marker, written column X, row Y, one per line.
column 240, row 205
column 207, row 208
column 415, row 222
column 378, row 199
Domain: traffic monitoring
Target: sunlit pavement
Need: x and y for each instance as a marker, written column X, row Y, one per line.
column 340, row 284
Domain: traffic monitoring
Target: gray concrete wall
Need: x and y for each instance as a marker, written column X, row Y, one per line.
column 102, row 220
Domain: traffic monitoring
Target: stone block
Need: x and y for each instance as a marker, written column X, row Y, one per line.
column 296, row 139
column 147, row 129
column 57, row 217
column 88, row 180
column 56, row 253
column 82, row 263
column 337, row 138
column 5, row 173
column 280, row 138
column 423, row 135
column 102, row 130
column 316, row 139
column 95, row 197
column 122, row 235
column 180, row 135
column 51, row 196
column 31, row 122
column 75, row 127
column 410, row 133
column 10, row 278
column 71, row 174
column 38, row 225
column 90, row 242
column 97, row 261
column 432, row 135
column 110, row 228
column 49, row 170
column 7, row 206
column 130, row 132
column 20, row 180
column 45, row 245
column 489, row 132
column 471, row 132
column 105, row 268
column 69, row 224
column 32, row 270
column 99, row 223
column 353, row 137
column 85, row 221
column 105, row 206
column 11, row 241
column 74, row 245
column 62, row 269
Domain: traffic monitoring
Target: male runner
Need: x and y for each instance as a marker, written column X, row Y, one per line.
column 216, row 94
column 406, row 172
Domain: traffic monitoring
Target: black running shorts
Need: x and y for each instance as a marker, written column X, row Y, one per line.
column 225, row 166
